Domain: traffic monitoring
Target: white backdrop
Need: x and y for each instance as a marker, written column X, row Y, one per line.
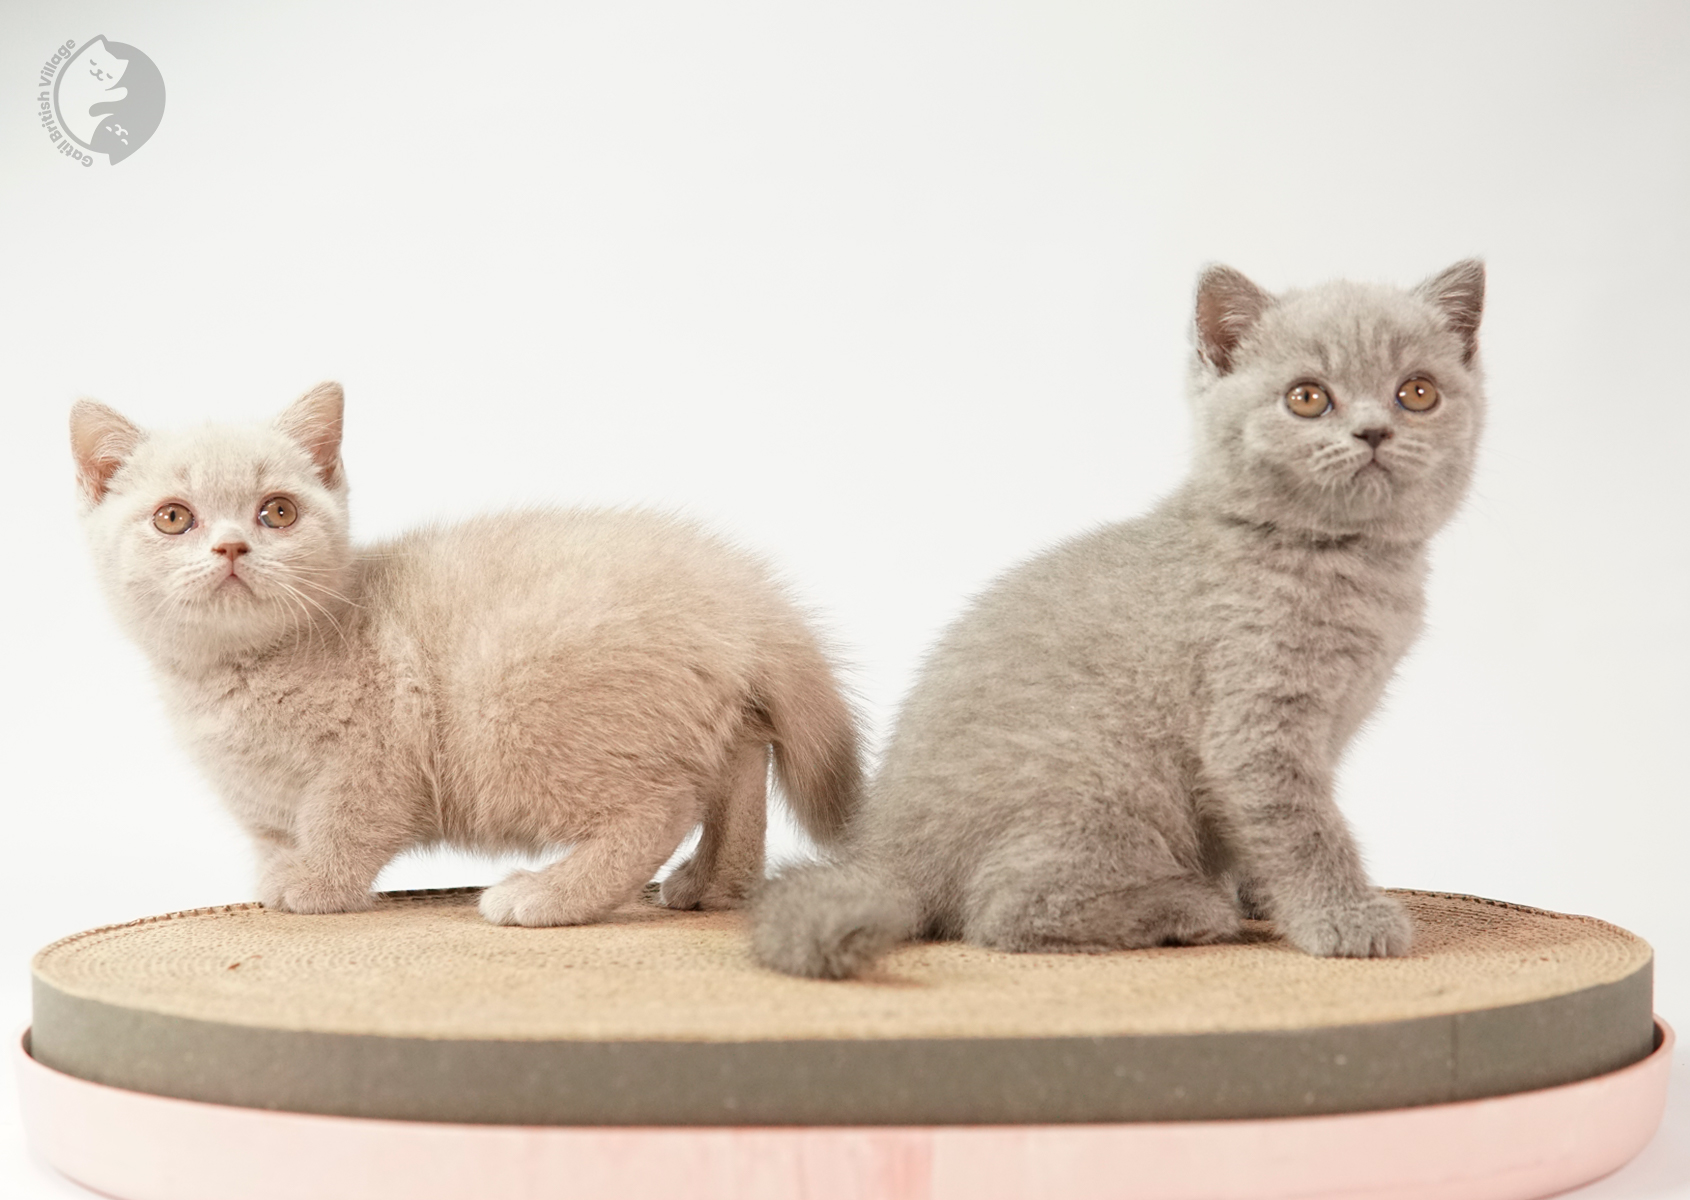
column 896, row 293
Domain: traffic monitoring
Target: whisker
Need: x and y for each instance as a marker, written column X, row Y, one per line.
column 320, row 607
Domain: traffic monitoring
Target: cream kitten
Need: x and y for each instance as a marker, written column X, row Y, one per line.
column 526, row 681
column 1131, row 740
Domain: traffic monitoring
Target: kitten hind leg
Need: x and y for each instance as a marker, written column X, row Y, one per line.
column 600, row 873
column 1250, row 899
column 1092, row 909
column 729, row 860
column 1180, row 911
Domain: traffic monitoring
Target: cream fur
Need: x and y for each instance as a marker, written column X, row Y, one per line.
column 602, row 680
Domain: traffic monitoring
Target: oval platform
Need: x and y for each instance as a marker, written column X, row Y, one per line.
column 1516, row 1046
column 140, row 1147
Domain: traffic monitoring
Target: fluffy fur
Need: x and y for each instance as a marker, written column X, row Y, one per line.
column 602, row 680
column 1131, row 739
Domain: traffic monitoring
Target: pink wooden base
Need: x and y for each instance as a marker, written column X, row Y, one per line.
column 142, row 1147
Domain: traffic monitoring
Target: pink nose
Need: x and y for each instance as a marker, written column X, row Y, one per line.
column 230, row 550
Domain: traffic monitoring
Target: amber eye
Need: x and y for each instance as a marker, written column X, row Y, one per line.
column 278, row 512
column 173, row 518
column 1418, row 395
column 1308, row 400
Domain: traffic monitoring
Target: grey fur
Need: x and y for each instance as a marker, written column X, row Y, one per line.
column 1131, row 739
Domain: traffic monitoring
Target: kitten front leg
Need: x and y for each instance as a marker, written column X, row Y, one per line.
column 267, row 845
column 1370, row 925
column 339, row 847
column 1295, row 847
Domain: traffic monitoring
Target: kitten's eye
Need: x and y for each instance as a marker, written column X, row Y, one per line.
column 1418, row 395
column 173, row 518
column 278, row 512
column 1308, row 400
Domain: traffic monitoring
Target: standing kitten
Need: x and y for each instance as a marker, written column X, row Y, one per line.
column 1131, row 739
column 605, row 680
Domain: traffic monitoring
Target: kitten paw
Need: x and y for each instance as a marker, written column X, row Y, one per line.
column 1251, row 902
column 531, row 898
column 1374, row 926
column 287, row 888
column 688, row 887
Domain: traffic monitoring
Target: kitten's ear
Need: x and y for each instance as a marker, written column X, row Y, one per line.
column 313, row 421
column 1228, row 305
column 1459, row 293
column 100, row 440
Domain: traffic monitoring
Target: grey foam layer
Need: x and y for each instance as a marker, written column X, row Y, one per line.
column 845, row 1081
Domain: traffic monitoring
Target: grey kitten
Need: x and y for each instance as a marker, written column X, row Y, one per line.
column 1131, row 740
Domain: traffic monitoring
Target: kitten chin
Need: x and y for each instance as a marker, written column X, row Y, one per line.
column 1130, row 740
column 602, row 680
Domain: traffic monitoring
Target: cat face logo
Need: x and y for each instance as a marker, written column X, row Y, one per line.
column 106, row 97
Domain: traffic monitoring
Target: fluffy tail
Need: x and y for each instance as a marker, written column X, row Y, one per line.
column 830, row 920
column 814, row 733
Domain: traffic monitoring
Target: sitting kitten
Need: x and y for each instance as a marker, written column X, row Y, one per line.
column 605, row 680
column 1130, row 740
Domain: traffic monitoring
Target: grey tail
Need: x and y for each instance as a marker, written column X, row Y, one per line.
column 814, row 734
column 830, row 920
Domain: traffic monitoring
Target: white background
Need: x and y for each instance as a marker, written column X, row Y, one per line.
column 897, row 294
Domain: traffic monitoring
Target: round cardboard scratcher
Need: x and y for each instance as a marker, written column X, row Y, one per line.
column 420, row 1010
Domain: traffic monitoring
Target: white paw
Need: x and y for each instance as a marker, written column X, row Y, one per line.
column 1373, row 926
column 289, row 887
column 530, row 898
